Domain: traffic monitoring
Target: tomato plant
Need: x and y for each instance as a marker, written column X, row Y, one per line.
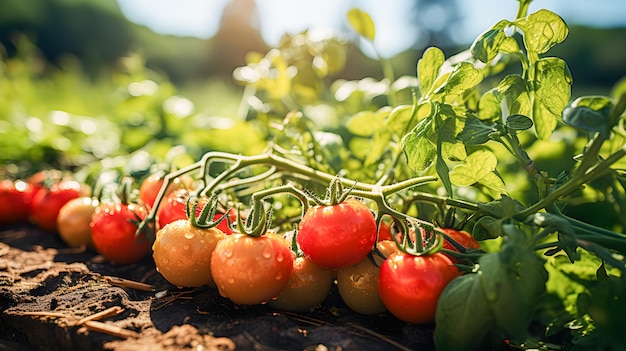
column 113, row 226
column 15, row 201
column 337, row 236
column 48, row 202
column 182, row 253
column 74, row 219
column 410, row 286
column 308, row 285
column 251, row 269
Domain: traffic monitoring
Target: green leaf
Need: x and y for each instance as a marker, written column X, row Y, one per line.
column 477, row 165
column 418, row 148
column 463, row 77
column 513, row 90
column 475, row 131
column 542, row 30
column 487, row 46
column 380, row 144
column 462, row 303
column 518, row 122
column 399, row 119
column 428, row 68
column 489, row 106
column 552, row 94
column 362, row 23
column 366, row 123
column 589, row 113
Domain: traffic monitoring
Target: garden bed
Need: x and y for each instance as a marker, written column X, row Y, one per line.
column 51, row 298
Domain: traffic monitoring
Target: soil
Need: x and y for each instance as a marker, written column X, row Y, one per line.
column 51, row 297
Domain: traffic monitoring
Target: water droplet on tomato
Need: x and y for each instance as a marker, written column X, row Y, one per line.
column 230, row 280
column 267, row 253
column 228, row 252
column 279, row 276
column 280, row 257
column 185, row 247
column 356, row 277
column 189, row 235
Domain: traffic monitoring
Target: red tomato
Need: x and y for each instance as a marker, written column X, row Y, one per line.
column 251, row 270
column 337, row 236
column 113, row 227
column 182, row 253
column 74, row 219
column 151, row 186
column 174, row 208
column 384, row 231
column 462, row 237
column 44, row 179
column 47, row 203
column 410, row 286
column 308, row 285
column 15, row 201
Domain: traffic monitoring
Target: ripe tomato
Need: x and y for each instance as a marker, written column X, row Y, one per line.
column 15, row 201
column 337, row 236
column 251, row 270
column 308, row 285
column 358, row 284
column 44, row 179
column 182, row 253
column 462, row 237
column 174, row 208
column 384, row 230
column 150, row 187
column 113, row 227
column 47, row 203
column 74, row 219
column 410, row 286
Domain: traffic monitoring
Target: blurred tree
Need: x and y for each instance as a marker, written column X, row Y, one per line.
column 94, row 31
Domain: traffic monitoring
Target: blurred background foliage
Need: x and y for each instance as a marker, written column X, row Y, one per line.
column 80, row 83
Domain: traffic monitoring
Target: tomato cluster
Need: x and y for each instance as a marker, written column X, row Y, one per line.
column 336, row 243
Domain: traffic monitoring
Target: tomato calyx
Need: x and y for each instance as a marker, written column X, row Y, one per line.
column 335, row 194
column 206, row 218
column 429, row 242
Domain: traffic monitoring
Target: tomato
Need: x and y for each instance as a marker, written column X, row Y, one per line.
column 182, row 253
column 410, row 286
column 47, row 203
column 113, row 227
column 308, row 285
column 174, row 208
column 358, row 284
column 251, row 270
column 151, row 186
column 44, row 179
column 337, row 236
column 462, row 237
column 15, row 201
column 384, row 230
column 74, row 219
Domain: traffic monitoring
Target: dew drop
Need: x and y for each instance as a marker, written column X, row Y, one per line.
column 267, row 253
column 230, row 280
column 228, row 252
column 185, row 247
column 356, row 277
column 279, row 276
column 189, row 235
column 280, row 258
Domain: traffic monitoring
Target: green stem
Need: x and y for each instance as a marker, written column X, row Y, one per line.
column 573, row 184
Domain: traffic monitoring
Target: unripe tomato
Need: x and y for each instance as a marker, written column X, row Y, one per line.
column 251, row 270
column 308, row 285
column 182, row 253
column 74, row 219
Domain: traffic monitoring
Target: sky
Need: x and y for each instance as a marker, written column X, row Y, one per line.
column 394, row 28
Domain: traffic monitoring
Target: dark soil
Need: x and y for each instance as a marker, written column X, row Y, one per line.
column 46, row 288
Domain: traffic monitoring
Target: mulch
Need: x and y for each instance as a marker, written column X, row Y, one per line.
column 53, row 297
